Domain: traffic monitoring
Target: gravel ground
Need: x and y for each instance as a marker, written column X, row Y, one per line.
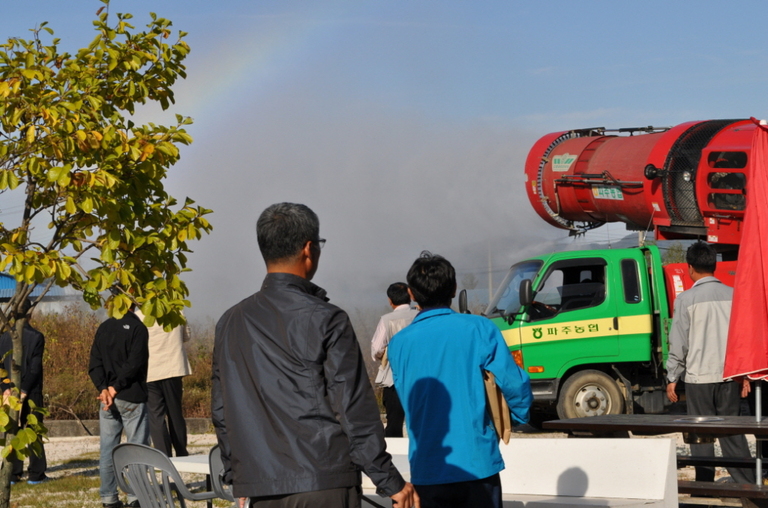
column 76, row 455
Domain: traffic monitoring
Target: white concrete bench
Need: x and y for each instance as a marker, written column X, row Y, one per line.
column 560, row 472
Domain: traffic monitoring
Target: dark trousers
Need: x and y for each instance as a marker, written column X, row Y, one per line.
column 164, row 400
column 718, row 399
column 395, row 412
column 485, row 493
column 37, row 463
column 350, row 497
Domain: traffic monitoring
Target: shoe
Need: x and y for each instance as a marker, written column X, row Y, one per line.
column 116, row 504
column 133, row 504
column 15, row 480
column 37, row 482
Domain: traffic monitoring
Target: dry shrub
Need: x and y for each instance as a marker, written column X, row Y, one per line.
column 197, row 386
column 67, row 389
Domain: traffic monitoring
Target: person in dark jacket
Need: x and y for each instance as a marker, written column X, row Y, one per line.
column 294, row 411
column 33, row 344
column 118, row 369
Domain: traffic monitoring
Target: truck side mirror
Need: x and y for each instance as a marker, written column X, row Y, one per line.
column 463, row 302
column 526, row 292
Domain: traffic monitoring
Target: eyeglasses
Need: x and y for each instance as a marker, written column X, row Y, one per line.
column 320, row 242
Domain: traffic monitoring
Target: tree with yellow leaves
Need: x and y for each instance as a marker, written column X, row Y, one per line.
column 78, row 165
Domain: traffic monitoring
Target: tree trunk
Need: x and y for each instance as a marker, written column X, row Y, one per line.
column 6, row 471
column 5, row 483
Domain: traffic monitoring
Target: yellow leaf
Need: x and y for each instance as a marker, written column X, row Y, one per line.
column 64, row 270
column 86, row 205
column 70, row 206
column 31, row 134
column 30, row 73
column 93, row 142
column 64, row 178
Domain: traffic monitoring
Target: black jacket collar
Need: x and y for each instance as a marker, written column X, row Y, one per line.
column 276, row 280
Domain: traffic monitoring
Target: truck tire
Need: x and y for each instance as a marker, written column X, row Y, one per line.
column 589, row 393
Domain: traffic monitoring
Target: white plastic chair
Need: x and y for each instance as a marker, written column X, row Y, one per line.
column 150, row 475
column 221, row 489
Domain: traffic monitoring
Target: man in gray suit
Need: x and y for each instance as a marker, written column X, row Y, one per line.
column 401, row 316
column 697, row 344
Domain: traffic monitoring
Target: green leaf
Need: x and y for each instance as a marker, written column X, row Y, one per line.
column 148, row 308
column 54, row 174
column 13, row 181
column 30, row 435
column 113, row 239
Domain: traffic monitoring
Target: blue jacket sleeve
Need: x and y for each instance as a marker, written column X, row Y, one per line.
column 511, row 379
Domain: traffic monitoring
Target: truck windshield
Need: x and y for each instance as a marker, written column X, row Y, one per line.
column 507, row 298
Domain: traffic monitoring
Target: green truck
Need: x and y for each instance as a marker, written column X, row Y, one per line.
column 590, row 327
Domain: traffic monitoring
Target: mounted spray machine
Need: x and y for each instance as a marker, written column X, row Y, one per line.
column 688, row 181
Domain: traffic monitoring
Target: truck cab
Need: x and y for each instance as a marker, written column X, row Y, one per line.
column 589, row 327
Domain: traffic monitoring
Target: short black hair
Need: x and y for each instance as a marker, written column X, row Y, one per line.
column 25, row 307
column 398, row 293
column 432, row 280
column 702, row 257
column 284, row 228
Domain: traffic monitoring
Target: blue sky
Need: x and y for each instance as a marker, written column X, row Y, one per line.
column 405, row 125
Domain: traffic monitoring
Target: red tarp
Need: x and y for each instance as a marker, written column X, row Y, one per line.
column 747, row 351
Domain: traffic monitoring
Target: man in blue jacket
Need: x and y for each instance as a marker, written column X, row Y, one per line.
column 438, row 363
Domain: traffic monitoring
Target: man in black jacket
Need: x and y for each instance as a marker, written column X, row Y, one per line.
column 33, row 344
column 292, row 405
column 118, row 369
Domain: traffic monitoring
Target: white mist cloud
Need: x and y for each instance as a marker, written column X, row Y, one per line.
column 385, row 185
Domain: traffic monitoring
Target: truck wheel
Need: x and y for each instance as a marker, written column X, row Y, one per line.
column 589, row 393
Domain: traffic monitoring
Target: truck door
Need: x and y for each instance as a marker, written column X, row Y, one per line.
column 572, row 320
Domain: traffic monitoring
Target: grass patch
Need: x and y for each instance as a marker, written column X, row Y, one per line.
column 75, row 491
column 85, row 457
column 82, row 491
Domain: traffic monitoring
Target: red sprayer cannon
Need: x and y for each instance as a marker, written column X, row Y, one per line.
column 687, row 181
